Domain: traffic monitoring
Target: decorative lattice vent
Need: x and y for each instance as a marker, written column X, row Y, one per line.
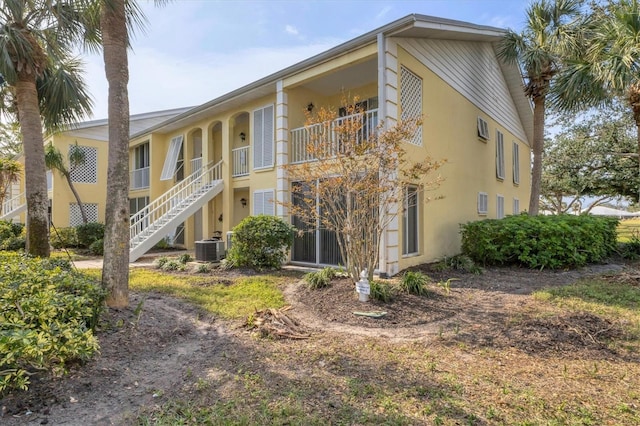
column 75, row 216
column 411, row 100
column 87, row 171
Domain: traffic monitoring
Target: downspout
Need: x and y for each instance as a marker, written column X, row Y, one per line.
column 382, row 112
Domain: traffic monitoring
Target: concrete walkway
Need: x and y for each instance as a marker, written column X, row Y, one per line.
column 144, row 261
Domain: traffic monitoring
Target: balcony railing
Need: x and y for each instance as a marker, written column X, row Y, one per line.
column 302, row 137
column 139, row 178
column 240, row 161
column 196, row 164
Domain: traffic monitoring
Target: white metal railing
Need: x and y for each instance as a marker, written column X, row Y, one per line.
column 171, row 200
column 139, row 178
column 196, row 164
column 13, row 204
column 302, row 137
column 240, row 158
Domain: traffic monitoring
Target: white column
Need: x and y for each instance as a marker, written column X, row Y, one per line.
column 282, row 150
column 388, row 112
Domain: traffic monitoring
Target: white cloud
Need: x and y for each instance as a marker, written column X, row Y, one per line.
column 290, row 29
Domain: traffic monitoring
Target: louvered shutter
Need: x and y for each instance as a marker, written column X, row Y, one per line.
column 171, row 161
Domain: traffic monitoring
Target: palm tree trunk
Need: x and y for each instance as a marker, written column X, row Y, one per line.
column 538, row 148
column 72, row 187
column 115, row 272
column 34, row 167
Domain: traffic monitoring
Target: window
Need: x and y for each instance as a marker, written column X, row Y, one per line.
column 516, row 206
column 516, row 163
column 87, row 170
column 171, row 161
column 263, row 128
column 499, row 206
column 411, row 100
column 140, row 167
column 483, row 129
column 49, row 180
column 410, row 221
column 499, row 155
column 483, row 202
column 75, row 215
column 263, row 202
column 137, row 204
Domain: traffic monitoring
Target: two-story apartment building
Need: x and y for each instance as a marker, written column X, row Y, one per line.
column 203, row 170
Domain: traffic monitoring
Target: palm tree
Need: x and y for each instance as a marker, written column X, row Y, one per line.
column 9, row 173
column 35, row 41
column 113, row 20
column 549, row 34
column 609, row 65
column 54, row 160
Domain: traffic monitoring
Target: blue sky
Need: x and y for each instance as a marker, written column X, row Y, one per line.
column 196, row 50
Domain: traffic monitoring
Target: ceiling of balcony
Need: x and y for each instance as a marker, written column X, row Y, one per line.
column 347, row 78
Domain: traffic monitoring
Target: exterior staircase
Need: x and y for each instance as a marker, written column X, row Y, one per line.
column 13, row 206
column 155, row 221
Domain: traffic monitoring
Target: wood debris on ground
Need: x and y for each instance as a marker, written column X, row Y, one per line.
column 276, row 323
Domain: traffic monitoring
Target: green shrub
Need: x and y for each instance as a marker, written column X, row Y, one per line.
column 173, row 265
column 382, row 291
column 202, row 268
column 159, row 262
column 414, row 282
column 540, row 241
column 260, row 242
column 185, row 258
column 63, row 238
column 631, row 249
column 89, row 233
column 320, row 279
column 47, row 314
column 459, row 262
column 12, row 236
column 97, row 247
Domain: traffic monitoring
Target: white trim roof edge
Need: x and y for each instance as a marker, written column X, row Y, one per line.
column 407, row 22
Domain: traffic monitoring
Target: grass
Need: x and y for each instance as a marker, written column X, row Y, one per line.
column 234, row 301
column 343, row 379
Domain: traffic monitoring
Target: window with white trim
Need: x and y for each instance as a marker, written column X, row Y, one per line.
column 483, row 203
column 410, row 221
column 499, row 155
column 499, row 206
column 516, row 206
column 516, row 163
column 49, row 180
column 483, row 129
column 75, row 215
column 411, row 101
column 85, row 171
column 263, row 137
column 171, row 160
column 263, row 202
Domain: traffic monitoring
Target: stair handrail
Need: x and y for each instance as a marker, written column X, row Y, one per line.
column 163, row 204
column 13, row 203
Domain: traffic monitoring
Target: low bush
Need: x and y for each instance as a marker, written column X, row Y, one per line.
column 89, row 233
column 63, row 238
column 260, row 242
column 414, row 282
column 382, row 291
column 12, row 236
column 540, row 241
column 320, row 279
column 97, row 247
column 47, row 314
column 459, row 262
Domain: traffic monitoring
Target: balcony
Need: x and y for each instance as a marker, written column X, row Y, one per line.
column 302, row 137
column 240, row 157
column 139, row 179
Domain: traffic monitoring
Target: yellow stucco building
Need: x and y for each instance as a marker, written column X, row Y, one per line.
column 199, row 171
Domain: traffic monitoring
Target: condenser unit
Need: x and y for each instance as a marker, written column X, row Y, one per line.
column 210, row 251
